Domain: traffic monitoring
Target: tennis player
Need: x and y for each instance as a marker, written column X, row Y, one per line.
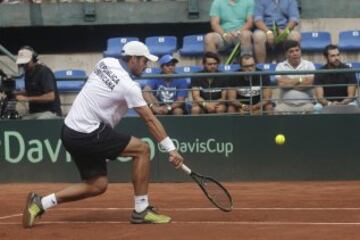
column 89, row 137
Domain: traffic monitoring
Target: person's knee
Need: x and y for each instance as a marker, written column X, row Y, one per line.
column 178, row 111
column 295, row 36
column 98, row 187
column 259, row 37
column 144, row 149
column 246, row 36
column 195, row 110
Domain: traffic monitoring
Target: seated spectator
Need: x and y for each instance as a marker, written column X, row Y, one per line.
column 275, row 22
column 296, row 91
column 335, row 95
column 166, row 96
column 249, row 94
column 209, row 94
column 40, row 86
column 231, row 22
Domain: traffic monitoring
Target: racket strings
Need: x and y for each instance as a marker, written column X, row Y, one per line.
column 217, row 193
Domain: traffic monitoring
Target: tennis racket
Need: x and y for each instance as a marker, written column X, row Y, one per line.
column 213, row 190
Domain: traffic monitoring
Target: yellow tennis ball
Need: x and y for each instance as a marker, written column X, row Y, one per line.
column 280, row 139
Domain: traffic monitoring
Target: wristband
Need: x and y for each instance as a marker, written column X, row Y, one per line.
column 268, row 31
column 150, row 105
column 203, row 104
column 168, row 144
column 224, row 35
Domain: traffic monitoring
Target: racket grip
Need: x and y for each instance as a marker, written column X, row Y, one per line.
column 186, row 169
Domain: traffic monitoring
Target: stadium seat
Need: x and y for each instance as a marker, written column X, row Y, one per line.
column 268, row 67
column 188, row 69
column 315, row 41
column 161, row 45
column 349, row 40
column 229, row 68
column 193, row 45
column 70, row 80
column 115, row 45
column 318, row 65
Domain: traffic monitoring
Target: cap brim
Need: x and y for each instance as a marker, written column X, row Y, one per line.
column 22, row 60
column 151, row 57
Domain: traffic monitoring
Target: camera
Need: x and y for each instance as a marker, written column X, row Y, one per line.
column 8, row 103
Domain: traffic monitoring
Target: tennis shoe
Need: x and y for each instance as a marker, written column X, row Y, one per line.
column 33, row 209
column 149, row 215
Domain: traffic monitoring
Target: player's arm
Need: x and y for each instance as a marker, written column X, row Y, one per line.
column 158, row 132
column 196, row 95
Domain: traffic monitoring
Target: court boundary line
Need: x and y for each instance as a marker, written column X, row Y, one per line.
column 190, row 209
column 198, row 222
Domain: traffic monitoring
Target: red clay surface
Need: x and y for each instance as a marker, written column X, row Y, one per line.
column 262, row 210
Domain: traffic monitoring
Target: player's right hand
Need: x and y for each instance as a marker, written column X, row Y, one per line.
column 175, row 158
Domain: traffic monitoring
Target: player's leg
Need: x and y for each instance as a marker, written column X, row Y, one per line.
column 143, row 212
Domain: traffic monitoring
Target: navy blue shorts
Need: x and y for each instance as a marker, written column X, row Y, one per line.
column 90, row 150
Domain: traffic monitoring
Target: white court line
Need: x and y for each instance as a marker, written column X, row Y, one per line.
column 11, row 216
column 196, row 222
column 213, row 209
column 195, row 209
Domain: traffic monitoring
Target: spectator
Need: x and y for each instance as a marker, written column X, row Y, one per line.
column 166, row 96
column 209, row 94
column 335, row 95
column 275, row 22
column 231, row 22
column 249, row 94
column 296, row 91
column 40, row 86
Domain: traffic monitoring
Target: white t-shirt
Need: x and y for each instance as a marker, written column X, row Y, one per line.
column 296, row 96
column 106, row 97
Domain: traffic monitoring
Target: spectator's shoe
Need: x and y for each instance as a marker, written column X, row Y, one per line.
column 33, row 210
column 149, row 215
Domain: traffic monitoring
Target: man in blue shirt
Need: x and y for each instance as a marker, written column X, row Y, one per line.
column 275, row 21
column 166, row 96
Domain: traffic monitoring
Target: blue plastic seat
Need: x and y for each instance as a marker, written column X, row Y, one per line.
column 70, row 80
column 115, row 45
column 229, row 68
column 193, row 45
column 161, row 45
column 318, row 65
column 188, row 69
column 349, row 40
column 268, row 67
column 315, row 41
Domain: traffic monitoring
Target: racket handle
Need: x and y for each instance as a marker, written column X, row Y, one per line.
column 186, row 169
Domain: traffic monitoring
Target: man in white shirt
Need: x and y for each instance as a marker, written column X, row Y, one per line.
column 89, row 137
column 296, row 91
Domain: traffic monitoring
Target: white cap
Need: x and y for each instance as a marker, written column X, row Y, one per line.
column 136, row 48
column 24, row 56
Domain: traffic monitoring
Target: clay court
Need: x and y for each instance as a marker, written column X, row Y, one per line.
column 262, row 210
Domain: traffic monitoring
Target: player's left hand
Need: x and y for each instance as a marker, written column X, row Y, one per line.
column 175, row 158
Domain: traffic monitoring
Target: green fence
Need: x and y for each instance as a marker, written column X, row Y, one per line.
column 232, row 148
